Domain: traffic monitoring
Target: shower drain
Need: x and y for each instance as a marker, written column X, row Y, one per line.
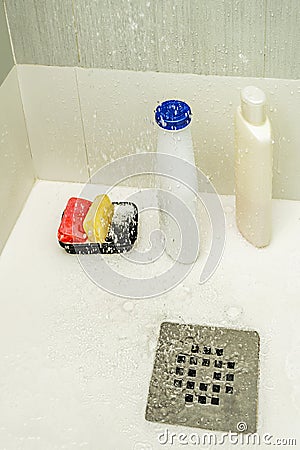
column 205, row 377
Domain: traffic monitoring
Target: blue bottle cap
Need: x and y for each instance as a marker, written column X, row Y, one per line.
column 173, row 115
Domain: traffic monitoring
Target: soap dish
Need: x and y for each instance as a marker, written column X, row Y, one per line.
column 121, row 236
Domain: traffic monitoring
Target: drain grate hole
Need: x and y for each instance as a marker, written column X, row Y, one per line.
column 219, row 351
column 207, row 350
column 178, row 383
column 230, row 364
column 193, row 360
column 195, row 348
column 192, row 372
column 215, row 401
column 230, row 377
column 229, row 390
column 216, row 388
column 189, row 398
column 205, row 362
column 181, row 358
column 203, row 387
column 190, row 385
column 202, row 399
column 217, row 376
column 179, row 371
column 219, row 364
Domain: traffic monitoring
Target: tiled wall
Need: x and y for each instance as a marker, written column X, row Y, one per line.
column 257, row 38
column 54, row 123
column 16, row 166
column 80, row 119
column 6, row 55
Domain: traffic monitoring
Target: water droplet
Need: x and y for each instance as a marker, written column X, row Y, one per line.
column 128, row 306
column 234, row 312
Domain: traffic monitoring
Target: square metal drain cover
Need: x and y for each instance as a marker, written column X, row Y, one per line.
column 205, row 377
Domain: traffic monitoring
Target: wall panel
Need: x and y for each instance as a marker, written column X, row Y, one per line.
column 16, row 166
column 283, row 39
column 43, row 32
column 6, row 56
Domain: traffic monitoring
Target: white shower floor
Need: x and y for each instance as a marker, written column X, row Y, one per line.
column 76, row 361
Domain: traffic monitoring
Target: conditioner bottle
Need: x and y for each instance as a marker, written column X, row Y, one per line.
column 253, row 168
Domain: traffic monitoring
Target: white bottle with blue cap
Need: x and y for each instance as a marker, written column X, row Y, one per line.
column 177, row 199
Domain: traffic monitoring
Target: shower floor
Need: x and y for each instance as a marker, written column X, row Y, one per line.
column 76, row 361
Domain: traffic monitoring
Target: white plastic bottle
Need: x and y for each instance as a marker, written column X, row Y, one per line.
column 253, row 168
column 175, row 139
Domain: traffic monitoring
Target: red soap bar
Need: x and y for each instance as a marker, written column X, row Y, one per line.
column 71, row 225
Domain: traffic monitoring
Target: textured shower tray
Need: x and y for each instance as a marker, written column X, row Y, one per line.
column 76, row 362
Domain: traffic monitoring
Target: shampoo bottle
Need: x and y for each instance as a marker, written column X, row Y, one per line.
column 174, row 138
column 253, row 168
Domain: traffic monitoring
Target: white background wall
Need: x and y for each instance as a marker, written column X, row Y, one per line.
column 80, row 119
column 16, row 165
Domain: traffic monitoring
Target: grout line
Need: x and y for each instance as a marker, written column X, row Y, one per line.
column 265, row 39
column 276, row 133
column 82, row 125
column 25, row 121
column 9, row 33
column 75, row 23
column 157, row 54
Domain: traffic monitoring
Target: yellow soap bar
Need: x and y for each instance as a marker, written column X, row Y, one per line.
column 98, row 219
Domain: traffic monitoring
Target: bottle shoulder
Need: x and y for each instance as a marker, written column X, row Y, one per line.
column 261, row 132
column 183, row 131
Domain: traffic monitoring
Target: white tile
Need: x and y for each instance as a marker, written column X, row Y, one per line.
column 117, row 110
column 16, row 166
column 118, row 116
column 53, row 120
